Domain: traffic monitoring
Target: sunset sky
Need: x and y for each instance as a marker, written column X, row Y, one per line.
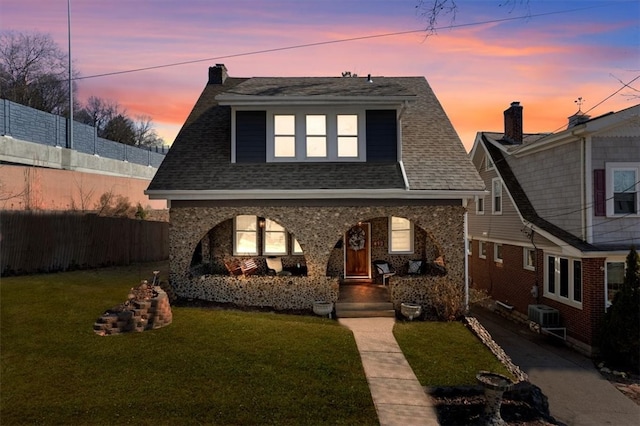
column 477, row 64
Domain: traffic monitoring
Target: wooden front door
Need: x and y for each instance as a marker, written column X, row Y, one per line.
column 357, row 251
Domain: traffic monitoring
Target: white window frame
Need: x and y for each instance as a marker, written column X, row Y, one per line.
column 493, row 195
column 392, row 250
column 295, row 245
column 480, row 203
column 482, row 249
column 525, row 258
column 331, row 115
column 498, row 257
column 236, row 231
column 555, row 294
column 488, row 162
column 266, row 230
column 611, row 168
column 470, row 247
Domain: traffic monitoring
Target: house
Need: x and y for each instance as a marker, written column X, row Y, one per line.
column 325, row 174
column 550, row 239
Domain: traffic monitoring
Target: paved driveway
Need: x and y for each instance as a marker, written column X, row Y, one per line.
column 578, row 395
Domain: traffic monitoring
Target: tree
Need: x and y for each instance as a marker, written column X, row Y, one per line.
column 120, row 129
column 145, row 134
column 433, row 10
column 97, row 112
column 34, row 71
column 620, row 331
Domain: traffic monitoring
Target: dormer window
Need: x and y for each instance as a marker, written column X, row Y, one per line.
column 316, row 139
column 284, row 136
column 316, row 135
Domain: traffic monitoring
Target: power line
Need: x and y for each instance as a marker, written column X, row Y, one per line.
column 323, row 43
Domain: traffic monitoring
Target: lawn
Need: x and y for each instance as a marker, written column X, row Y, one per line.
column 210, row 366
column 207, row 367
column 445, row 353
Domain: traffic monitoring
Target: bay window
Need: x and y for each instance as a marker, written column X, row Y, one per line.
column 563, row 279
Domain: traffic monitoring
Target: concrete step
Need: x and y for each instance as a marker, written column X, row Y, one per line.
column 364, row 310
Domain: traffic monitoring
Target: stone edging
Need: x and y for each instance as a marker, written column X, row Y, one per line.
column 488, row 341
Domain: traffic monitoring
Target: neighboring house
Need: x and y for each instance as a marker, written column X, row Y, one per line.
column 327, row 174
column 562, row 213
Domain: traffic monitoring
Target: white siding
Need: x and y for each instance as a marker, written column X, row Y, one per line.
column 552, row 179
column 503, row 227
column 607, row 230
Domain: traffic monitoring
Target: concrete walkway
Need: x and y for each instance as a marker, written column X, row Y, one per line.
column 397, row 395
column 578, row 395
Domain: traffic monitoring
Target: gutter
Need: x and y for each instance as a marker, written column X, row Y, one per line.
column 306, row 194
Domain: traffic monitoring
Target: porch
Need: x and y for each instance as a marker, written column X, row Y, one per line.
column 328, row 254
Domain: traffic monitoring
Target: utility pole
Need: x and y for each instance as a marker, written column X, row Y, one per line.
column 70, row 129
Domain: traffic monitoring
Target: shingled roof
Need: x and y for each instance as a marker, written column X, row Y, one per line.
column 523, row 204
column 433, row 156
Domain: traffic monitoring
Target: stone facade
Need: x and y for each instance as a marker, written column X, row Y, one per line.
column 439, row 231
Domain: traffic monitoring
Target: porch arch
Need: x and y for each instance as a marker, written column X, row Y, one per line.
column 317, row 229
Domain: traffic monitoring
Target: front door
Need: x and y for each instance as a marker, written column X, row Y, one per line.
column 357, row 251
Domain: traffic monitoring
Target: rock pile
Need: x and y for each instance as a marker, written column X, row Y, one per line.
column 147, row 308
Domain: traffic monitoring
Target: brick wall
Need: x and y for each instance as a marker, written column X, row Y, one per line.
column 507, row 282
column 510, row 283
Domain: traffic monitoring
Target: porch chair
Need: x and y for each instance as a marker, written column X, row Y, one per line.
column 274, row 266
column 385, row 270
column 233, row 266
column 248, row 267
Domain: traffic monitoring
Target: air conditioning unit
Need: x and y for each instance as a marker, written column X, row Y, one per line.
column 544, row 315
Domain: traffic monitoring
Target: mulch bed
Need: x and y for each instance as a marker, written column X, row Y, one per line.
column 465, row 406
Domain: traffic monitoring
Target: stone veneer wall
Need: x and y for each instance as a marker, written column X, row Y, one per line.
column 317, row 229
column 278, row 292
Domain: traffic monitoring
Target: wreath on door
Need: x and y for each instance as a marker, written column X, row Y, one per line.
column 356, row 239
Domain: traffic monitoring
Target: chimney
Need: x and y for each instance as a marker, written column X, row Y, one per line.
column 513, row 123
column 217, row 74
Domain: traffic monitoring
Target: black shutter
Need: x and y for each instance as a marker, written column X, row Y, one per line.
column 251, row 136
column 382, row 136
column 599, row 193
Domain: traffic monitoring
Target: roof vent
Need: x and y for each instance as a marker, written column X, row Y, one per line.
column 369, row 78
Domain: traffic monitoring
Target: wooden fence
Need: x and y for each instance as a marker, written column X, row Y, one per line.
column 36, row 242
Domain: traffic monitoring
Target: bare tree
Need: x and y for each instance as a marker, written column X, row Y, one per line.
column 433, row 10
column 34, row 71
column 97, row 112
column 145, row 134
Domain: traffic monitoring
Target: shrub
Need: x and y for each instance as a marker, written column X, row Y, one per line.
column 447, row 299
column 620, row 331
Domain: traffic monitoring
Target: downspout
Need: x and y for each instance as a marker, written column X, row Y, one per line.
column 402, row 170
column 466, row 260
column 587, row 197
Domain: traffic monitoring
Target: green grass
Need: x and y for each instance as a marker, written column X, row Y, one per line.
column 207, row 367
column 445, row 353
